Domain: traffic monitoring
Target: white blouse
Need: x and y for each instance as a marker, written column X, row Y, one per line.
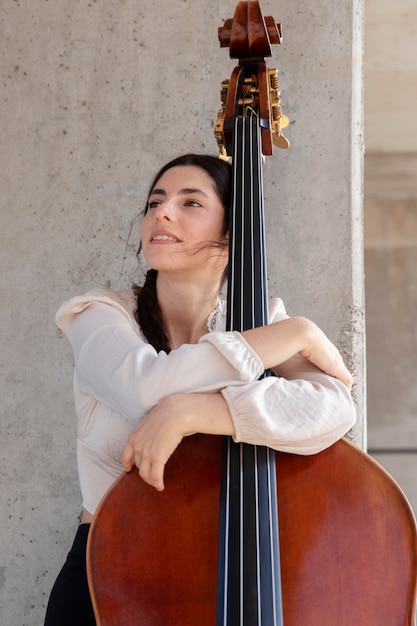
column 118, row 377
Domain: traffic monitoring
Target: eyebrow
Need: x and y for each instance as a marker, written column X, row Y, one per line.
column 186, row 191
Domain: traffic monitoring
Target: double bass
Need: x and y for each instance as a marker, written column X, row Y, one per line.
column 243, row 535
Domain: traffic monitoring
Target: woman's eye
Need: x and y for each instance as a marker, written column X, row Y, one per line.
column 152, row 204
column 193, row 203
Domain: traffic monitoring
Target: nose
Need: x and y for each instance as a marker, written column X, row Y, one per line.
column 164, row 211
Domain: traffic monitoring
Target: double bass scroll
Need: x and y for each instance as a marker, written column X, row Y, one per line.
column 252, row 86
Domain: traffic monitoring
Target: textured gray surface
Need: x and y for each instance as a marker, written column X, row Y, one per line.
column 95, row 96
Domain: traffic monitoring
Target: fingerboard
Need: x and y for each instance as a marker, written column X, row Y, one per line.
column 249, row 582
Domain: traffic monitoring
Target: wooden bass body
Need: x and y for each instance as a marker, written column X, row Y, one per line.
column 347, row 537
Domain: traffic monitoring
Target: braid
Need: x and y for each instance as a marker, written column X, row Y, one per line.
column 148, row 313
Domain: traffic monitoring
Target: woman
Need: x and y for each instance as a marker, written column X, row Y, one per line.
column 154, row 364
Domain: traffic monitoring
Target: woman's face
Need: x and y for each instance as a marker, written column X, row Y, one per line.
column 184, row 217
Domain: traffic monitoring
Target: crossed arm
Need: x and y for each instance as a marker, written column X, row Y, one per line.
column 288, row 347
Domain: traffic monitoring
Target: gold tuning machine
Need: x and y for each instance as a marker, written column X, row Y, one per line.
column 278, row 119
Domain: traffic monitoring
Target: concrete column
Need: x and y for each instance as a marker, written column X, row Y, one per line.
column 95, row 97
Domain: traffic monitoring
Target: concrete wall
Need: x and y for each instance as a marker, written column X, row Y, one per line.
column 391, row 304
column 95, row 96
column 391, row 235
column 390, row 76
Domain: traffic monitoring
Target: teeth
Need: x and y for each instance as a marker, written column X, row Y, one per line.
column 163, row 238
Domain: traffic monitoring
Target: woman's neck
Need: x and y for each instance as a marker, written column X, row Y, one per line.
column 185, row 306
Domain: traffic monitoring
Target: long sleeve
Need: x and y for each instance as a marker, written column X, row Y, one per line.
column 117, row 367
column 300, row 410
column 118, row 377
column 303, row 415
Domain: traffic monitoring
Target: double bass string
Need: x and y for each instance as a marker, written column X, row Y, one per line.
column 249, row 581
column 251, row 606
column 265, row 466
column 260, row 303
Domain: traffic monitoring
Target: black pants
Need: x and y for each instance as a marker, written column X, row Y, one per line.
column 70, row 603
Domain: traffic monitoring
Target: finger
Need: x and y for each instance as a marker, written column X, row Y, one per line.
column 349, row 381
column 157, row 474
column 127, row 457
column 346, row 377
column 153, row 474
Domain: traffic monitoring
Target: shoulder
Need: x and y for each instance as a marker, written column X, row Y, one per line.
column 123, row 301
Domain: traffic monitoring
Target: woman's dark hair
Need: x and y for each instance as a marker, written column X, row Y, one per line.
column 148, row 313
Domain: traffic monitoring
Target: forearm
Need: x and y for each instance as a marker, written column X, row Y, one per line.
column 114, row 365
column 302, row 416
column 278, row 342
column 206, row 413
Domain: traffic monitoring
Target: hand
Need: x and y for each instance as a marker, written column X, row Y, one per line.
column 161, row 430
column 277, row 343
column 323, row 353
column 152, row 442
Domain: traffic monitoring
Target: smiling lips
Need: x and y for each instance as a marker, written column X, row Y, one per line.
column 164, row 237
